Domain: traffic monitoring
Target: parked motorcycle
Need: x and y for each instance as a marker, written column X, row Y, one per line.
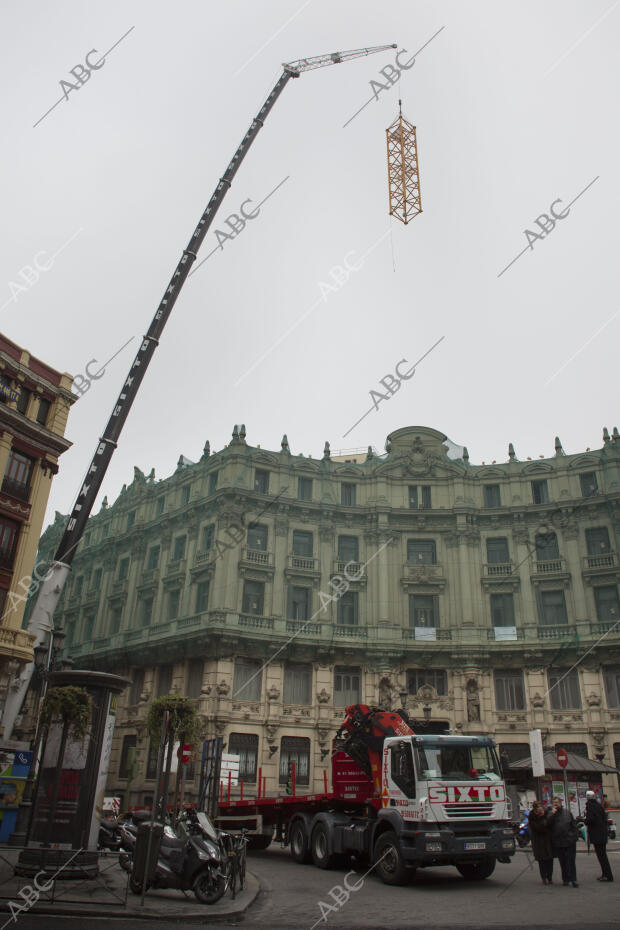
column 109, row 835
column 190, row 859
column 522, row 832
column 611, row 829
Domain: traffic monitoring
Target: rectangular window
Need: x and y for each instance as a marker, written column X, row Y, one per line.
column 151, row 762
column 247, row 679
column 43, row 411
column 213, row 482
column 513, row 752
column 194, row 678
column 24, row 400
column 540, row 492
column 297, row 684
column 129, row 743
column 580, row 749
column 497, row 550
column 79, row 584
column 612, row 685
column 17, row 475
column 509, row 690
column 552, row 608
column 202, row 596
column 257, row 537
column 145, row 611
column 174, row 597
column 491, row 495
column 253, row 598
column 547, row 548
column 131, row 519
column 185, row 491
column 348, row 613
column 502, row 610
column 207, row 537
column 607, row 607
column 302, row 543
column 597, row 540
column 115, row 620
column 347, row 685
column 9, row 530
column 348, row 548
column 421, row 552
column 137, row 686
column 96, row 582
column 89, row 628
column 423, row 610
column 347, row 494
column 159, row 507
column 294, row 749
column 299, row 600
column 437, row 678
column 304, row 489
column 426, row 497
column 413, row 496
column 564, row 692
column 261, row 481
column 123, row 569
column 245, row 745
column 589, row 484
column 153, row 559
column 164, row 680
column 178, row 551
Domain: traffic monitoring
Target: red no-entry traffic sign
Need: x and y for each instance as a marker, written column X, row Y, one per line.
column 562, row 758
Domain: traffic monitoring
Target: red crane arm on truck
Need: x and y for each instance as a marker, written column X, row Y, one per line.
column 361, row 737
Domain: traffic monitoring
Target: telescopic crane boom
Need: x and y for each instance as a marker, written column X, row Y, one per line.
column 51, row 588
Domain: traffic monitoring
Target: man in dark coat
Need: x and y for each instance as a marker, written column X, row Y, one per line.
column 563, row 831
column 541, row 842
column 596, row 822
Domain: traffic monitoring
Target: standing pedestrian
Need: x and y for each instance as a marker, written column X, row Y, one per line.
column 541, row 842
column 596, row 822
column 563, row 831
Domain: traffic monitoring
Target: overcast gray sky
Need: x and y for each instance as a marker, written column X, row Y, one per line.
column 515, row 105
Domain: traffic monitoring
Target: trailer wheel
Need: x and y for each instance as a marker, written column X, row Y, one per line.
column 389, row 861
column 259, row 841
column 320, row 847
column 300, row 847
column 477, row 871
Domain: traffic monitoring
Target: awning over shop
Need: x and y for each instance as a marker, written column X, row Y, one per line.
column 575, row 765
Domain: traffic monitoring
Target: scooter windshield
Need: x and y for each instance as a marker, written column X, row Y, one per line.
column 206, row 826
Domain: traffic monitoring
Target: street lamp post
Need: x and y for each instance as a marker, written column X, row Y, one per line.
column 46, row 661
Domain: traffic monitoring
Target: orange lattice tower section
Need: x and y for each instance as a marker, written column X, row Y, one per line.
column 403, row 173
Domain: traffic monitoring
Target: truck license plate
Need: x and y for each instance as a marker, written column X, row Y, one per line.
column 475, row 845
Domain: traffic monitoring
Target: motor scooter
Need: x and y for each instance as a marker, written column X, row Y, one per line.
column 109, row 835
column 191, row 858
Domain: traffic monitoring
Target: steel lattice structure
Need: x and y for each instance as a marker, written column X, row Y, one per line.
column 403, row 170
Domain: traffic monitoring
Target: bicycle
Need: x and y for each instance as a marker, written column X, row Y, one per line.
column 234, row 847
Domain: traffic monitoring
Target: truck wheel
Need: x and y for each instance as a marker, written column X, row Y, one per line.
column 300, row 847
column 389, row 861
column 320, row 847
column 477, row 871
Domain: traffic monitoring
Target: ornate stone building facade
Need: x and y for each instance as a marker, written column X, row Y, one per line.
column 276, row 589
column 34, row 406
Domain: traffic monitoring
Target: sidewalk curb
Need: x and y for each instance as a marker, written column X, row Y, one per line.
column 171, row 910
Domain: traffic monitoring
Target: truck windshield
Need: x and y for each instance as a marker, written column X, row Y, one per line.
column 458, row 761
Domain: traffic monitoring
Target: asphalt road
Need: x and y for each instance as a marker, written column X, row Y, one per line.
column 437, row 899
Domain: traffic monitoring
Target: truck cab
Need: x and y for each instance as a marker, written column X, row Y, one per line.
column 445, row 799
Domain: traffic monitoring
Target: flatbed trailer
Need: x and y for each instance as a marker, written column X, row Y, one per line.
column 406, row 802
